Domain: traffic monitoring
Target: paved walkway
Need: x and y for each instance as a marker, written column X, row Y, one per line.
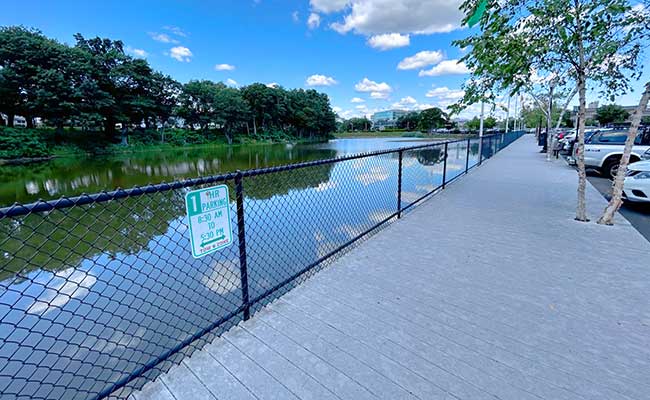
column 489, row 290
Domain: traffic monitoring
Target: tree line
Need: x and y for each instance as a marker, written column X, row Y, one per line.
column 94, row 85
column 424, row 120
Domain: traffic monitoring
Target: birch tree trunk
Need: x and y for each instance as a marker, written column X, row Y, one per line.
column 581, row 209
column 566, row 105
column 549, row 133
column 617, row 189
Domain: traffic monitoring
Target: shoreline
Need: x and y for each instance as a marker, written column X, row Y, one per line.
column 117, row 149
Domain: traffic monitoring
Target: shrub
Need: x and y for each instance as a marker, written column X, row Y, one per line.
column 22, row 143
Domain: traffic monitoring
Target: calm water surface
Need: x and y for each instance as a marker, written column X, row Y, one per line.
column 73, row 176
column 91, row 293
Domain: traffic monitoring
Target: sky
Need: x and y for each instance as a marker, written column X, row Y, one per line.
column 367, row 55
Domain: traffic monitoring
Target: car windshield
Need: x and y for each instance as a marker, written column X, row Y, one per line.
column 613, row 137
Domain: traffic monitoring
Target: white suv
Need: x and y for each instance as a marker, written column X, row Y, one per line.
column 603, row 150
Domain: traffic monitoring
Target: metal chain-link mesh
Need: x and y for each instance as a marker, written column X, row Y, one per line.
column 100, row 293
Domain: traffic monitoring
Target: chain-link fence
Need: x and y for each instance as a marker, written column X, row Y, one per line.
column 99, row 293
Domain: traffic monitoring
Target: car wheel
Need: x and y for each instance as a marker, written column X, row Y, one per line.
column 610, row 169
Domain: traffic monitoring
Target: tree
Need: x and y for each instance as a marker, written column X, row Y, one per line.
column 617, row 190
column 195, row 104
column 409, row 121
column 611, row 114
column 358, row 124
column 230, row 110
column 597, row 41
column 104, row 93
column 645, row 121
column 475, row 123
column 34, row 75
column 432, row 118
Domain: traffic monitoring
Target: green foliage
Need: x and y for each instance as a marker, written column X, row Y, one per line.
column 432, row 118
column 592, row 41
column 356, row 124
column 94, row 86
column 645, row 120
column 22, row 143
column 409, row 121
column 534, row 115
column 611, row 113
column 425, row 120
column 475, row 123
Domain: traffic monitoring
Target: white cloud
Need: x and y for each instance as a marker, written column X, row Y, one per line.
column 379, row 95
column 357, row 100
column 389, row 41
column 366, row 85
column 320, row 80
column 231, row 82
column 273, row 85
column 136, row 52
column 337, row 109
column 421, row 60
column 444, row 93
column 180, row 53
column 313, row 21
column 224, row 67
column 361, row 107
column 407, row 102
column 447, row 67
column 328, row 6
column 295, row 16
column 162, row 38
column 175, row 30
column 372, row 17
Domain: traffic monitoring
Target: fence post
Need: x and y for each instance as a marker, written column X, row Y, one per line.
column 469, row 143
column 444, row 167
column 241, row 234
column 480, row 150
column 399, row 186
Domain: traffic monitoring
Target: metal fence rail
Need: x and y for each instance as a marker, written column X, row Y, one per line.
column 99, row 293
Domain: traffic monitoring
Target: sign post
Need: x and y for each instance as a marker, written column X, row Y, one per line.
column 208, row 216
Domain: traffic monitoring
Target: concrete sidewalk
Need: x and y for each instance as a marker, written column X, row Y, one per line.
column 489, row 290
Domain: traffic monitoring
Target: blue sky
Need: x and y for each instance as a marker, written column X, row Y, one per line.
column 349, row 48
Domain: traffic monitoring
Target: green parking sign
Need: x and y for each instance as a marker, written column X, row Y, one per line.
column 208, row 217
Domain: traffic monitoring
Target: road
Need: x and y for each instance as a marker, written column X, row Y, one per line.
column 637, row 214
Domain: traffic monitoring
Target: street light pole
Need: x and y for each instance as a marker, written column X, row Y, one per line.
column 480, row 134
column 507, row 114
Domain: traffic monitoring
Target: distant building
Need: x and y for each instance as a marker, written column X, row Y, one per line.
column 386, row 119
column 592, row 108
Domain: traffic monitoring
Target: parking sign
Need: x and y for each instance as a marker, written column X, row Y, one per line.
column 208, row 215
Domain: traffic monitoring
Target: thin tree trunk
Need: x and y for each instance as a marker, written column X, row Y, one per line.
column 254, row 127
column 29, row 120
column 581, row 208
column 566, row 105
column 11, row 118
column 124, row 133
column 617, row 189
column 549, row 134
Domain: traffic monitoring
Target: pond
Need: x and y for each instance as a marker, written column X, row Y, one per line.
column 76, row 175
column 91, row 293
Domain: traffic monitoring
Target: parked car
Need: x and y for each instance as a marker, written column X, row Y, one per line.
column 603, row 150
column 637, row 182
column 646, row 155
column 569, row 140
